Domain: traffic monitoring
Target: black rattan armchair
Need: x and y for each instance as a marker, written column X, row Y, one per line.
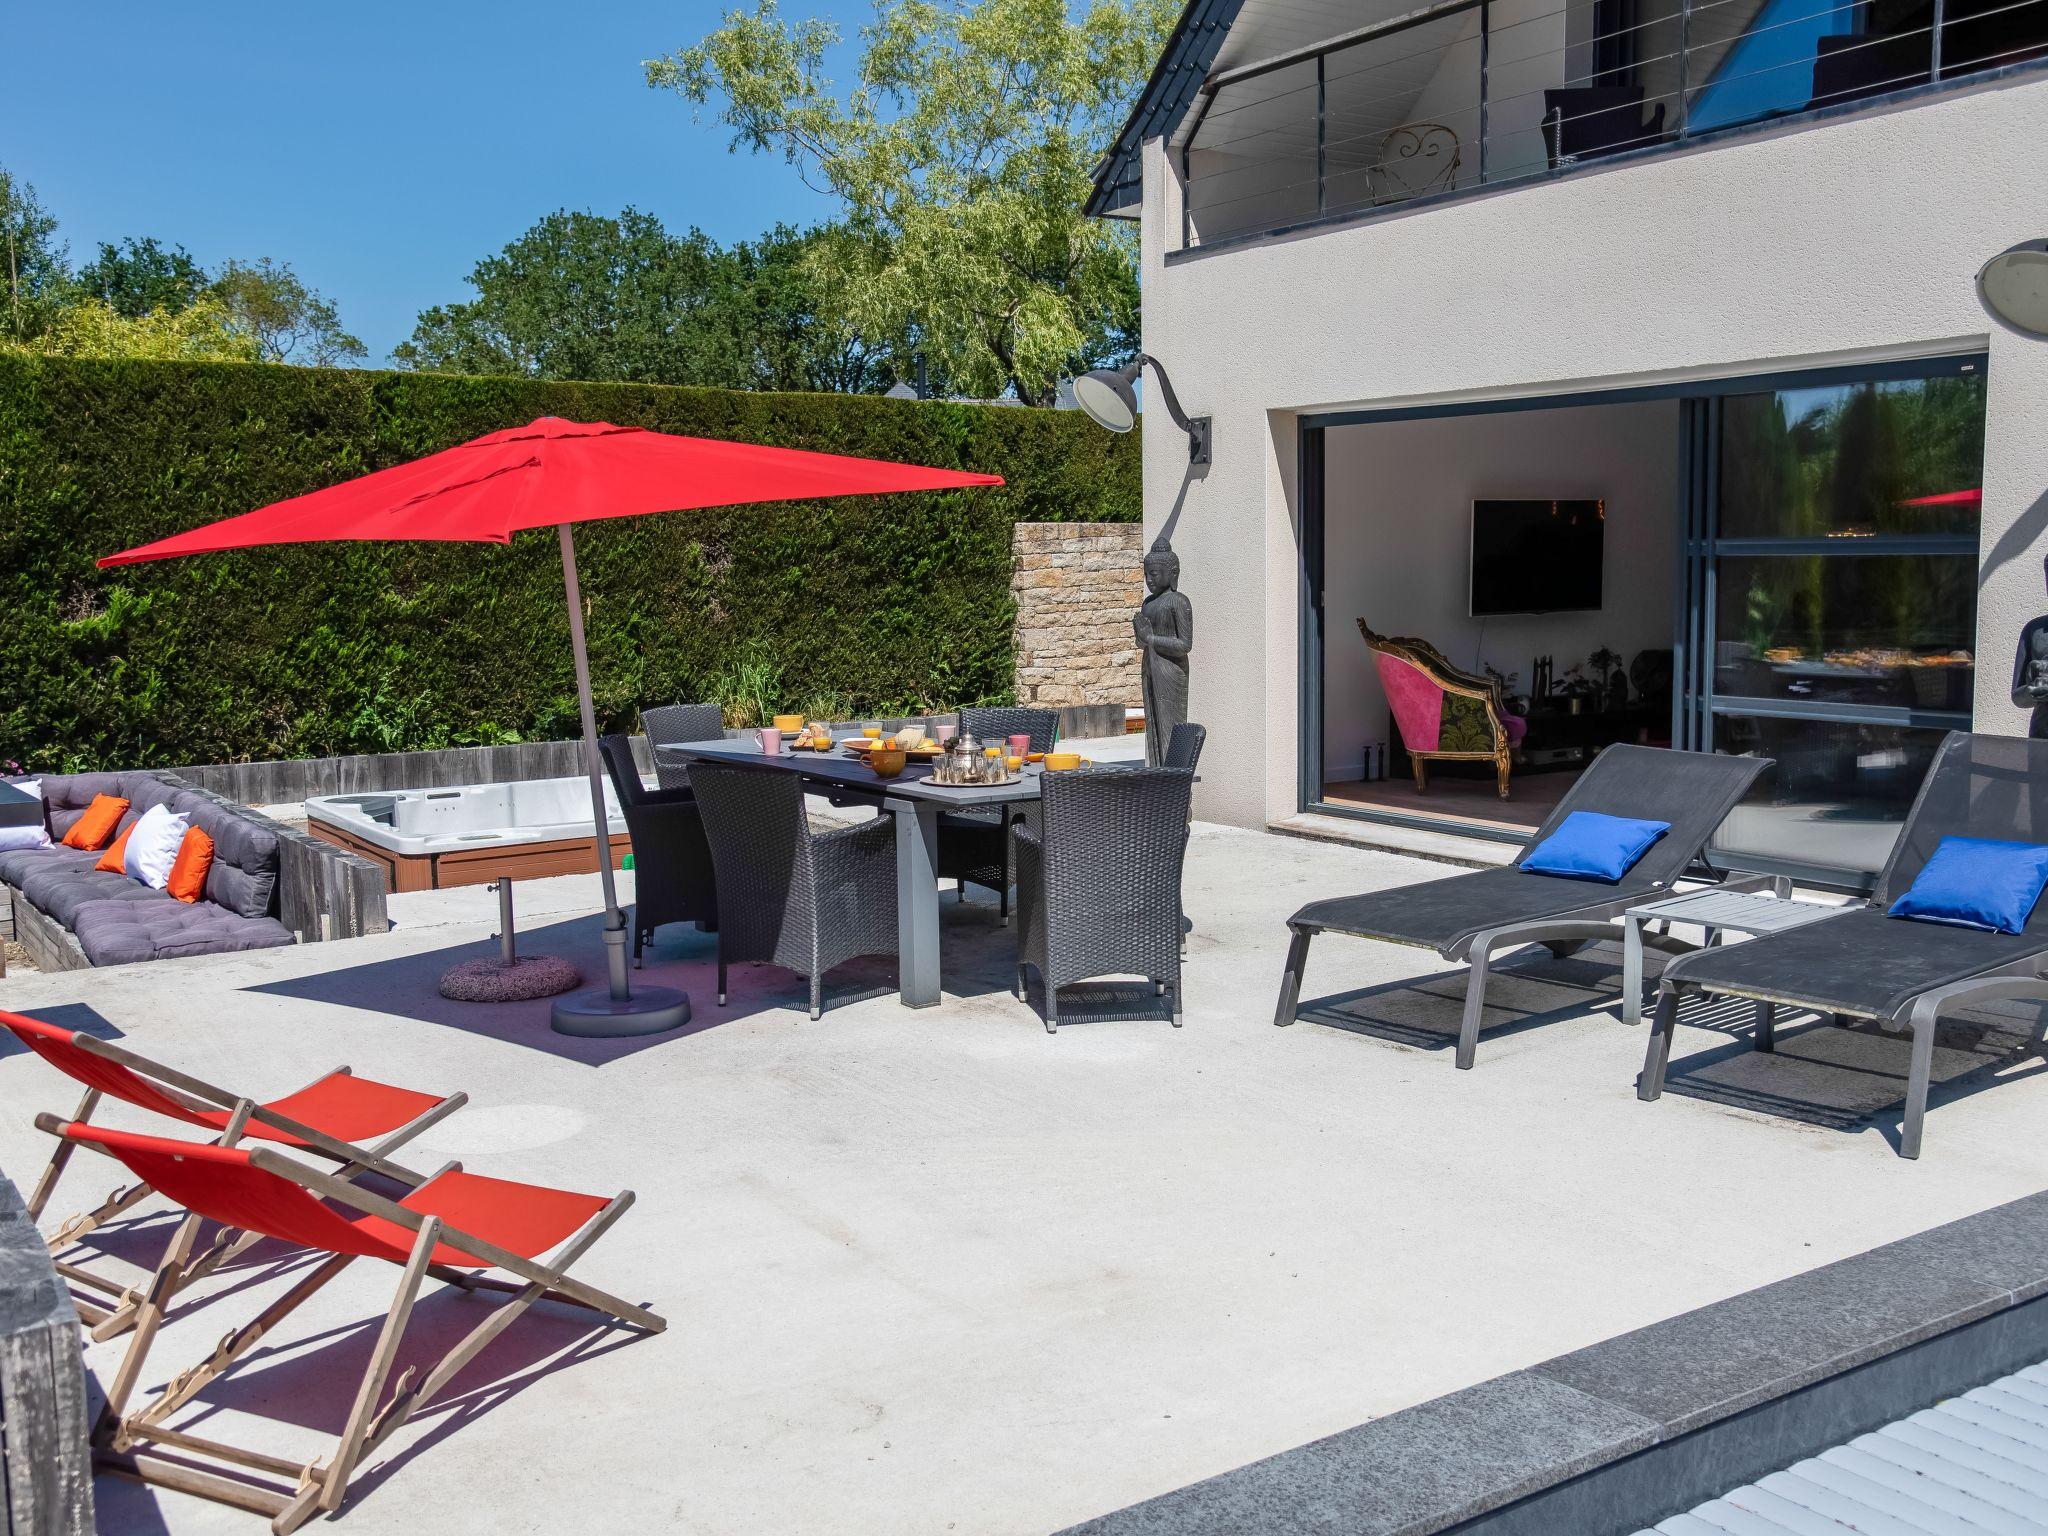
column 679, row 722
column 1184, row 747
column 787, row 894
column 974, row 845
column 1098, row 881
column 672, row 875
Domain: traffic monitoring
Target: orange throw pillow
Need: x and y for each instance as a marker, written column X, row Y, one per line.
column 188, row 870
column 93, row 829
column 114, row 860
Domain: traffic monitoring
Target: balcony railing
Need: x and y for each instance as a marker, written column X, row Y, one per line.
column 1465, row 93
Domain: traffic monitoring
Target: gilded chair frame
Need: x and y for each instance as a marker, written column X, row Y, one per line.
column 1432, row 664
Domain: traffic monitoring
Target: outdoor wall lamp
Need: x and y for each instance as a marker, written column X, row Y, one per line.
column 2013, row 288
column 1110, row 397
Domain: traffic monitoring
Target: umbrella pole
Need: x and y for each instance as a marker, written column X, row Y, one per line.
column 613, row 1009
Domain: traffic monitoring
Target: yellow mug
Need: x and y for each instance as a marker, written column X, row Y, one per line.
column 789, row 724
column 1057, row 761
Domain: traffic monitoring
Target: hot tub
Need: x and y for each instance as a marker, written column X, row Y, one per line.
column 471, row 834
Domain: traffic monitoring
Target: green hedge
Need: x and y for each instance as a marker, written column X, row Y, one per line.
column 871, row 604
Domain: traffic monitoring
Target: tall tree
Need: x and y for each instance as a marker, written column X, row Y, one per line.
column 32, row 261
column 786, row 326
column 139, row 277
column 961, row 155
column 582, row 296
column 203, row 331
column 287, row 321
column 578, row 296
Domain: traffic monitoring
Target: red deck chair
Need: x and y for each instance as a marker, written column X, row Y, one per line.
column 450, row 1224
column 333, row 1115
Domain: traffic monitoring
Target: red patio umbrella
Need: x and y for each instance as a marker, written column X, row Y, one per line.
column 557, row 473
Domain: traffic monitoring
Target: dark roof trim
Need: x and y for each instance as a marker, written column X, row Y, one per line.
column 1183, row 65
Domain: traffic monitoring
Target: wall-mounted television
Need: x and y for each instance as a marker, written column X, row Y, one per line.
column 1536, row 556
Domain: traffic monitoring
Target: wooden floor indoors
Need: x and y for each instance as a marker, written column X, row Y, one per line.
column 1471, row 801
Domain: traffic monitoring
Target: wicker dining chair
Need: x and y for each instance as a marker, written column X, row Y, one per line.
column 1184, row 747
column 679, row 722
column 1098, row 880
column 974, row 844
column 673, row 881
column 791, row 894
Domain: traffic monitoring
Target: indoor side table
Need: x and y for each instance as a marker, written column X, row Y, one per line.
column 1720, row 912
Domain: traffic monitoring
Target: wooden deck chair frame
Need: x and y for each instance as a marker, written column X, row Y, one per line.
column 199, row 1096
column 321, row 1484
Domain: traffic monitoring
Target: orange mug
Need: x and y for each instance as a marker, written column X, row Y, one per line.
column 1059, row 761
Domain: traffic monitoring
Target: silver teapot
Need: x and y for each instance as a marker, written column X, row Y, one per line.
column 962, row 763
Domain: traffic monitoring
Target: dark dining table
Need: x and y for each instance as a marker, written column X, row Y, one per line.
column 915, row 804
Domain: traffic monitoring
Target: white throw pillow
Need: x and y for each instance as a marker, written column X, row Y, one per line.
column 153, row 846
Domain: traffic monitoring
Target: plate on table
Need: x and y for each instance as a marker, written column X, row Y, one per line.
column 916, row 754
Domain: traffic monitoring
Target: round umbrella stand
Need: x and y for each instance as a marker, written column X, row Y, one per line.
column 509, row 977
column 648, row 1011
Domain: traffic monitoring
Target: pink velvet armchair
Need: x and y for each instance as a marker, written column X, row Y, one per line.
column 1444, row 714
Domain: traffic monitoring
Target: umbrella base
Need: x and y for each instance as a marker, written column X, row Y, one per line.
column 596, row 1013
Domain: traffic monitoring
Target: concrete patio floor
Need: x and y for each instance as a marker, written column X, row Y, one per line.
column 933, row 1271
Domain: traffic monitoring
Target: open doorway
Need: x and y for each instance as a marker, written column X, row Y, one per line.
column 1781, row 566
column 1532, row 554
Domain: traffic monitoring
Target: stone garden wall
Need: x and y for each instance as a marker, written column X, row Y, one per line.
column 1076, row 586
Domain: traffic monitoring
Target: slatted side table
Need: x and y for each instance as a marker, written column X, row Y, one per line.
column 1720, row 912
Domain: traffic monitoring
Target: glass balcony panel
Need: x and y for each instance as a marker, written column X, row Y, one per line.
column 1252, row 162
column 1402, row 114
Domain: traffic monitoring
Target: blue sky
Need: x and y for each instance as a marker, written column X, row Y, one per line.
column 379, row 148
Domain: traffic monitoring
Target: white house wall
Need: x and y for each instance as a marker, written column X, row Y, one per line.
column 1836, row 242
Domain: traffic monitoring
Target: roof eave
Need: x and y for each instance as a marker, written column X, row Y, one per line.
column 1183, row 65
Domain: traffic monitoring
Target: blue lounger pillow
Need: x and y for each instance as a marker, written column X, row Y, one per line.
column 1588, row 845
column 1977, row 882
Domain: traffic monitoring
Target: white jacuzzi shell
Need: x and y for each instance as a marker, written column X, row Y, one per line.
column 418, row 823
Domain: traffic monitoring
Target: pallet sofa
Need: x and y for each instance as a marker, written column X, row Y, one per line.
column 268, row 886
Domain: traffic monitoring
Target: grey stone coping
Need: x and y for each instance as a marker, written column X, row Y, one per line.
column 1459, row 1457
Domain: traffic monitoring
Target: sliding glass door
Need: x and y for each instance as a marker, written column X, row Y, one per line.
column 1817, row 555
column 1832, row 583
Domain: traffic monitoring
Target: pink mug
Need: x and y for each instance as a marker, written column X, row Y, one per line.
column 771, row 741
column 1020, row 743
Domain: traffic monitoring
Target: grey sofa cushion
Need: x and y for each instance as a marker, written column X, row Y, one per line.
column 17, row 864
column 120, row 932
column 66, row 795
column 141, row 791
column 60, row 890
column 244, row 874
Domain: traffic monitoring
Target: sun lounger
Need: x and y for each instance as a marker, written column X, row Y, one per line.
column 446, row 1227
column 1902, row 973
column 1476, row 916
column 354, row 1120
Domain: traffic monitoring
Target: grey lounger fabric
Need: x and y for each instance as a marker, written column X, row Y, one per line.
column 1470, row 916
column 1904, row 974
